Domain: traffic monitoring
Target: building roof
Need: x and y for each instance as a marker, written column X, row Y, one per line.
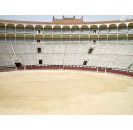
column 66, row 21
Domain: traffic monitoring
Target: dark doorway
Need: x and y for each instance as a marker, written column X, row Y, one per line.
column 94, row 31
column 85, row 62
column 18, row 64
column 94, row 41
column 38, row 50
column 40, row 62
column 38, row 40
column 90, row 50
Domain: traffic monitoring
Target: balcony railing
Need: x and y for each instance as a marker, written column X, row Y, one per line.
column 124, row 31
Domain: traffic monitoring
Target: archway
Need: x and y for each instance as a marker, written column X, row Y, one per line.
column 84, row 29
column 39, row 29
column 103, row 29
column 19, row 28
column 29, row 29
column 48, row 29
column 57, row 29
column 2, row 27
column 10, row 28
column 66, row 30
column 122, row 27
column 130, row 27
column 75, row 29
column 112, row 28
column 93, row 29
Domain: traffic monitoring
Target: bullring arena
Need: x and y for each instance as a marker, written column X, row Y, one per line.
column 66, row 66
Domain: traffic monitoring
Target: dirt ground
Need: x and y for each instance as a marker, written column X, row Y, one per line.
column 65, row 92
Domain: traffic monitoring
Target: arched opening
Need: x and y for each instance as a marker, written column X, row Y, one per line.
column 122, row 38
column 66, row 30
column 10, row 37
column 10, row 28
column 130, row 27
column 84, row 29
column 103, row 38
column 38, row 38
column 19, row 38
column 29, row 38
column 84, row 38
column 122, row 27
column 94, row 38
column 75, row 29
column 112, row 38
column 103, row 29
column 48, row 38
column 2, row 27
column 2, row 37
column 93, row 29
column 29, row 29
column 48, row 29
column 112, row 28
column 38, row 29
column 57, row 29
column 130, row 37
column 20, row 28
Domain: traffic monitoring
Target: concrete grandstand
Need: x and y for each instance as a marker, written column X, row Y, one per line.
column 67, row 43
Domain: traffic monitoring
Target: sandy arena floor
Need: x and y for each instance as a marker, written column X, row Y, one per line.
column 65, row 92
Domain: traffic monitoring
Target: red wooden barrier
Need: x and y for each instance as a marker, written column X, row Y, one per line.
column 56, row 67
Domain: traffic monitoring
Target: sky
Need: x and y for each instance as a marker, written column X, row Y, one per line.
column 48, row 18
